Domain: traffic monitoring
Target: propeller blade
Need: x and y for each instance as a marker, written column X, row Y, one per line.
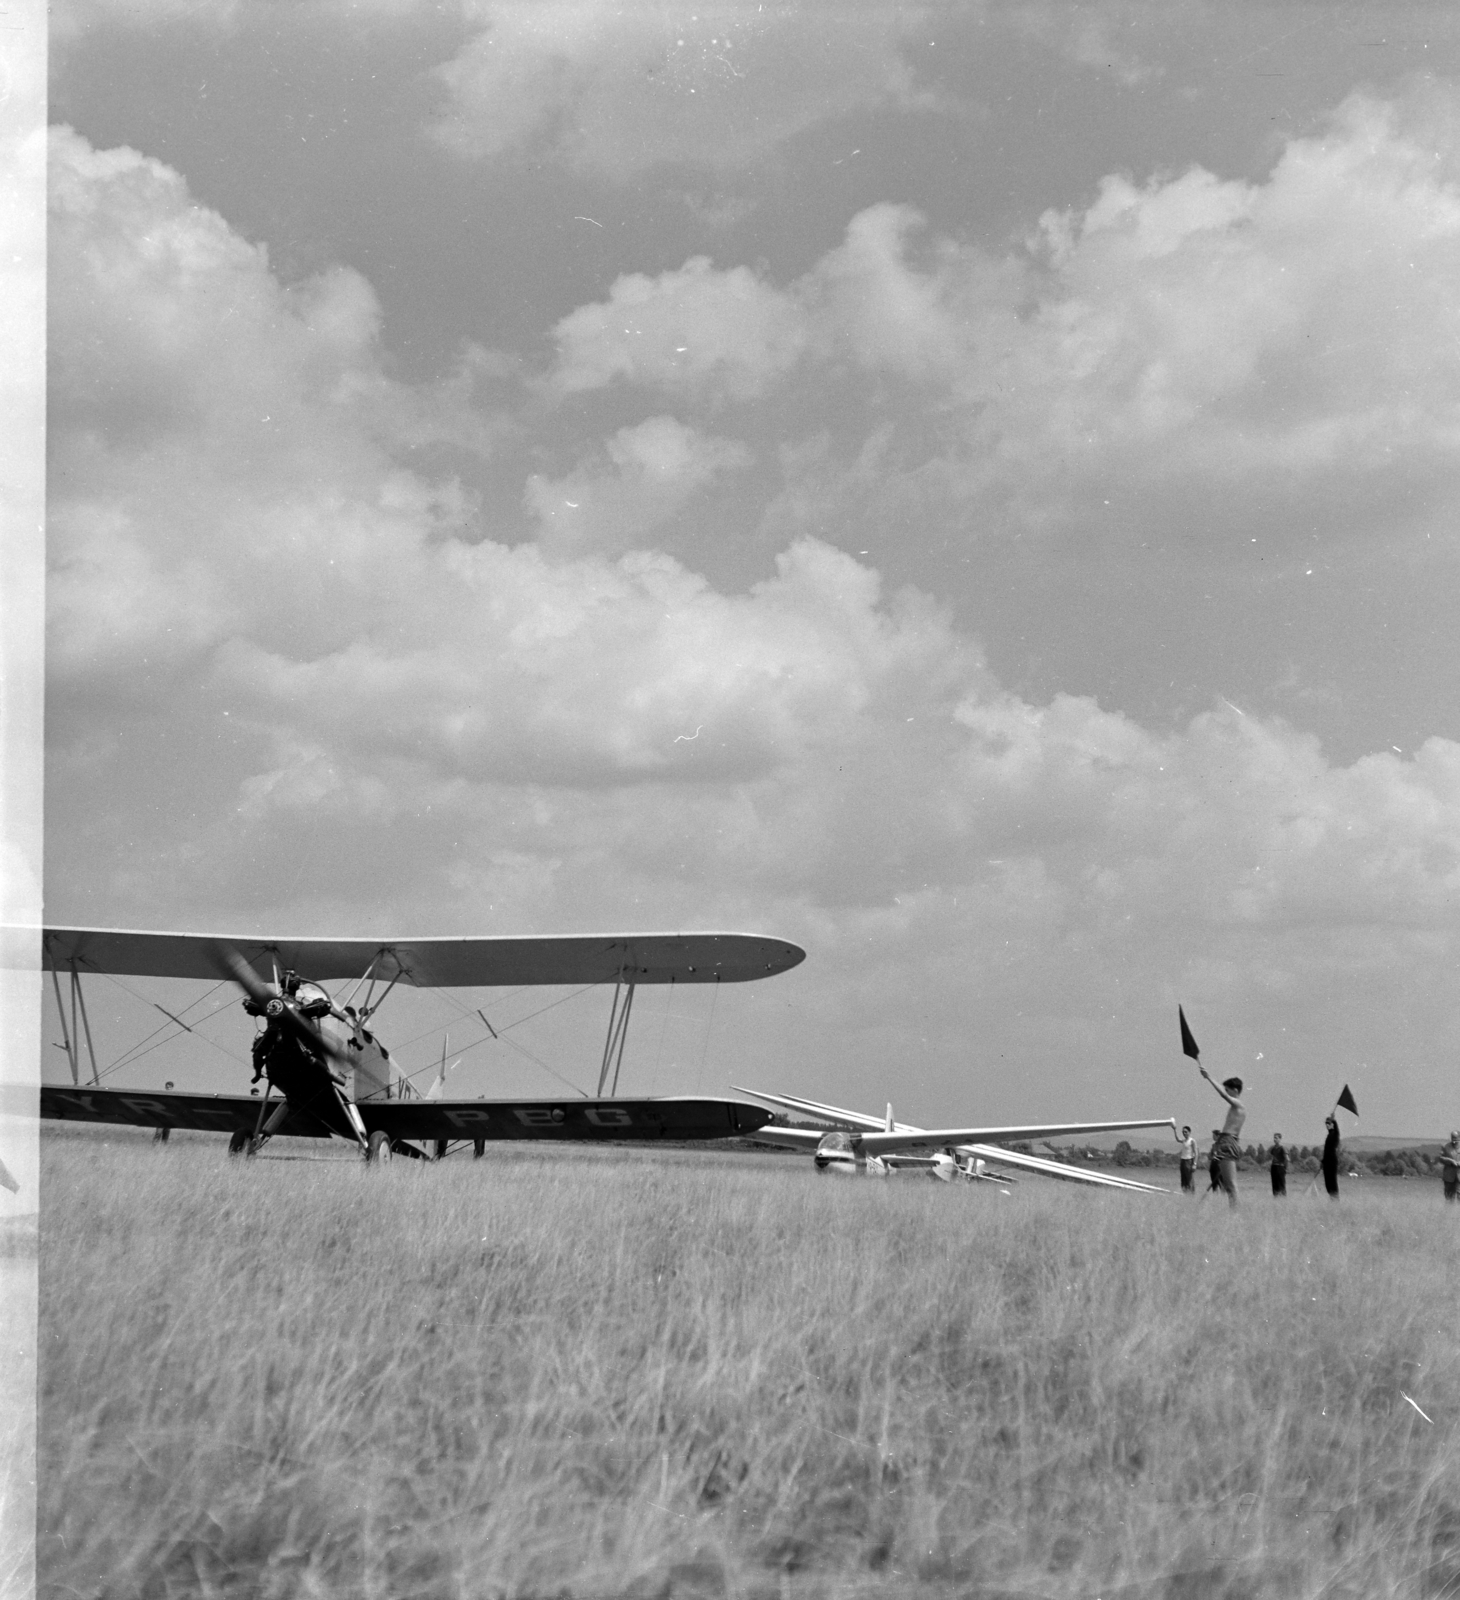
column 232, row 965
column 229, row 964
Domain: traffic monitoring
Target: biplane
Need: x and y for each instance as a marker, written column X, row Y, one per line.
column 856, row 1144
column 324, row 1071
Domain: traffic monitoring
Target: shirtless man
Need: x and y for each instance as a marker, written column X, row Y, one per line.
column 1227, row 1149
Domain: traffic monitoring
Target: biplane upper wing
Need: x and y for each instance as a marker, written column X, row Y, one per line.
column 424, row 1120
column 434, row 963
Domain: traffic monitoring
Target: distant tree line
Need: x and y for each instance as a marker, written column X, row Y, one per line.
column 1301, row 1158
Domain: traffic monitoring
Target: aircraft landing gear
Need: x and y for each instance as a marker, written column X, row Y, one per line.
column 377, row 1147
column 238, row 1143
column 478, row 1149
column 441, row 1149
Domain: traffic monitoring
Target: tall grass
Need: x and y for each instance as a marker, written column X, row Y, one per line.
column 585, row 1373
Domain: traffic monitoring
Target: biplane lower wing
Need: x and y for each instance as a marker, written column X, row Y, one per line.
column 423, row 1120
column 211, row 1113
column 667, row 1118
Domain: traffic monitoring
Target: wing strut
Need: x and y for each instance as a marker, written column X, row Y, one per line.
column 618, row 1031
column 623, row 1033
column 367, row 975
column 80, row 1025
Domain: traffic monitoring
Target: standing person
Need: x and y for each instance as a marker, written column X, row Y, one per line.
column 1450, row 1167
column 1214, row 1167
column 1188, row 1160
column 1227, row 1149
column 1330, row 1158
column 1279, row 1160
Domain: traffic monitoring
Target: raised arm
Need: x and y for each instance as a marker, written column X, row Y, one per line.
column 1231, row 1099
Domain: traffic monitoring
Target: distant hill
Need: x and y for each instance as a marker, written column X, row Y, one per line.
column 1371, row 1143
column 1361, row 1143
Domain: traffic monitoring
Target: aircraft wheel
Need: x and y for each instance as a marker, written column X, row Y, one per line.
column 478, row 1149
column 377, row 1147
column 238, row 1144
column 441, row 1149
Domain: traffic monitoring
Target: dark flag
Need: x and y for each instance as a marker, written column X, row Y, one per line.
column 1346, row 1100
column 1188, row 1044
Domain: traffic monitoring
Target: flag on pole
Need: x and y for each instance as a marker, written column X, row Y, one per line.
column 1188, row 1044
column 1346, row 1100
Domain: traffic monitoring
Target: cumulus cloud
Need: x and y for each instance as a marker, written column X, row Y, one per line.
column 642, row 478
column 1294, row 331
column 312, row 688
column 618, row 91
column 694, row 329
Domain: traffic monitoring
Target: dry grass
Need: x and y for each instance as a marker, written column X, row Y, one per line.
column 585, row 1373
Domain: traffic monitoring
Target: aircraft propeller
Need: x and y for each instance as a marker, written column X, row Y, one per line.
column 232, row 965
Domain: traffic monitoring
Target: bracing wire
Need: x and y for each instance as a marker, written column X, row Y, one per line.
column 152, row 1042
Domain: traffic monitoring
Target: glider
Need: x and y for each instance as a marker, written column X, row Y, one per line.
column 860, row 1144
column 325, row 1072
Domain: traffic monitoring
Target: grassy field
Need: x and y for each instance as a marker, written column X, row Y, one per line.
column 587, row 1373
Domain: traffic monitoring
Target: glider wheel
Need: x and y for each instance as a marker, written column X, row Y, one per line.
column 377, row 1147
column 238, row 1143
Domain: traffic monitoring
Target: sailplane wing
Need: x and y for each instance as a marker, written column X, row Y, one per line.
column 1058, row 1169
column 867, row 1126
column 434, row 963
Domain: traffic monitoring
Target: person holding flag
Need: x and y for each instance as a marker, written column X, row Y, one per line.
column 1330, row 1157
column 1187, row 1159
column 1330, row 1143
column 1225, row 1149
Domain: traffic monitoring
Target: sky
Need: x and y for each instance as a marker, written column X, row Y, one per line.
column 971, row 489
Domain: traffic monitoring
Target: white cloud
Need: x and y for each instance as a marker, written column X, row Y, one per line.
column 644, row 476
column 310, row 690
column 1289, row 335
column 689, row 330
column 618, row 91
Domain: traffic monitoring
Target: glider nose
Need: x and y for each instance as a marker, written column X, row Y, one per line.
column 835, row 1153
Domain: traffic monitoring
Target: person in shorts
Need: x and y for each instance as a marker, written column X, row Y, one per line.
column 1188, row 1160
column 1214, row 1168
column 1278, row 1165
column 1227, row 1149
